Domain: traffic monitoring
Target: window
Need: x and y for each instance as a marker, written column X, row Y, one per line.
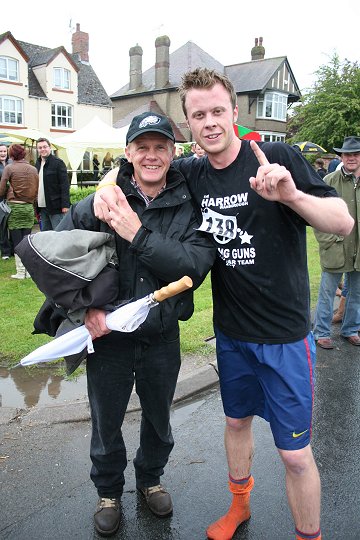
column 9, row 68
column 272, row 105
column 62, row 78
column 11, row 110
column 272, row 137
column 61, row 115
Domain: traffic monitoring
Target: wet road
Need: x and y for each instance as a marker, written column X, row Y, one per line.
column 46, row 492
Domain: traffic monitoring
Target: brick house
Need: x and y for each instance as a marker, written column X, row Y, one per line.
column 51, row 90
column 265, row 88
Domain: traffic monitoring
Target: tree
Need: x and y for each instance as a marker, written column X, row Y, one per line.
column 330, row 110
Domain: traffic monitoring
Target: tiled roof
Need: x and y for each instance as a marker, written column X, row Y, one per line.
column 152, row 106
column 247, row 77
column 90, row 89
column 253, row 76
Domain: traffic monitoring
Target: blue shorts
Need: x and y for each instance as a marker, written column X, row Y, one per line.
column 275, row 382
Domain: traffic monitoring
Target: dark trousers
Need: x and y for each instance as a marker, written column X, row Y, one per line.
column 117, row 363
column 17, row 235
column 6, row 245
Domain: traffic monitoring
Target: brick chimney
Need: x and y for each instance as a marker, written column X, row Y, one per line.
column 135, row 54
column 80, row 44
column 162, row 45
column 258, row 52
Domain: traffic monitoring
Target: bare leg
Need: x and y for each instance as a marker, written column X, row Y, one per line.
column 303, row 488
column 239, row 445
column 239, row 451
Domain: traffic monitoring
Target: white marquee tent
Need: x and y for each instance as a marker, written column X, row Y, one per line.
column 95, row 137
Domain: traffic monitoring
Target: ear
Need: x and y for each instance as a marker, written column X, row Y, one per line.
column 235, row 114
column 128, row 154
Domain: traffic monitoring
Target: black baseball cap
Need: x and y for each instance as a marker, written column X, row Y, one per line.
column 148, row 122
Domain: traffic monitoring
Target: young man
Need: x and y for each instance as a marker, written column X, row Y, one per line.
column 257, row 216
column 54, row 189
column 157, row 242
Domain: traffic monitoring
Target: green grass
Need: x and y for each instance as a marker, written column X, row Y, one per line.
column 20, row 301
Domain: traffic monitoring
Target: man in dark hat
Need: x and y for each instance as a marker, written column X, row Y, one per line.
column 157, row 242
column 341, row 254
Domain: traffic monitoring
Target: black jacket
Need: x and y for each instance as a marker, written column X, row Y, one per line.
column 56, row 184
column 167, row 247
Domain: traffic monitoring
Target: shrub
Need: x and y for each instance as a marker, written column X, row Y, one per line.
column 77, row 194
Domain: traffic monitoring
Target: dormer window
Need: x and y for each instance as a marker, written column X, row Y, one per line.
column 62, row 78
column 9, row 69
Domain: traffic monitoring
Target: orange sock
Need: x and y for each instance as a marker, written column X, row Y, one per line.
column 225, row 527
column 308, row 536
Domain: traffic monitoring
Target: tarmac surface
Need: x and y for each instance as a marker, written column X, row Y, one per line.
column 44, row 463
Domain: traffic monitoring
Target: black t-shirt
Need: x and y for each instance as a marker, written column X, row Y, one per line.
column 259, row 280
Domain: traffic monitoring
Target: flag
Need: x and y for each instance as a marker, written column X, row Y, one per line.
column 244, row 133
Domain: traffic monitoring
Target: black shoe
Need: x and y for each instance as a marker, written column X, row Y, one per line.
column 107, row 516
column 158, row 500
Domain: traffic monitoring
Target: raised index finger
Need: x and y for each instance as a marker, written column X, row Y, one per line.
column 262, row 159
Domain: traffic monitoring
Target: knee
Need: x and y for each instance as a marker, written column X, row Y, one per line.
column 298, row 462
column 238, row 424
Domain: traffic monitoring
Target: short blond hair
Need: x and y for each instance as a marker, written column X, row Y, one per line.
column 205, row 78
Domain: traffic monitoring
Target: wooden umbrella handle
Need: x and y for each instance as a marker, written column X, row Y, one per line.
column 173, row 288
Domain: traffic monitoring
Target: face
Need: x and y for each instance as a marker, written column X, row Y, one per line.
column 199, row 151
column 151, row 155
column 44, row 150
column 351, row 163
column 210, row 116
column 3, row 153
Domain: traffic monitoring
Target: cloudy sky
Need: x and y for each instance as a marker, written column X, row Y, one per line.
column 308, row 33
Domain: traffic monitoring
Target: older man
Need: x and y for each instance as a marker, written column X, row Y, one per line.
column 157, row 242
column 339, row 254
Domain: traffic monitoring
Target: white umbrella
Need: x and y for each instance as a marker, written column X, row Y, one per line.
column 124, row 319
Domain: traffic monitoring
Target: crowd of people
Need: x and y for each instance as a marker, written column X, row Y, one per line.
column 239, row 210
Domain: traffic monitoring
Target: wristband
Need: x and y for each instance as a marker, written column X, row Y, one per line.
column 105, row 185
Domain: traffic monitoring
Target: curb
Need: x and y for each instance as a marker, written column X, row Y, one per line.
column 79, row 411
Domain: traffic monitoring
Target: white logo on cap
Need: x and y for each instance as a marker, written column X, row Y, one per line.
column 149, row 121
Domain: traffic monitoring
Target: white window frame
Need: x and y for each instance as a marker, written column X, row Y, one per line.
column 271, row 136
column 62, row 78
column 61, row 116
column 11, row 111
column 9, row 69
column 272, row 106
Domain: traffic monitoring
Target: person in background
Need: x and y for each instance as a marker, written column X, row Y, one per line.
column 319, row 167
column 54, row 189
column 256, row 202
column 96, row 164
column 192, row 150
column 199, row 152
column 341, row 291
column 333, row 164
column 21, row 191
column 179, row 153
column 107, row 162
column 157, row 242
column 339, row 254
column 6, row 246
